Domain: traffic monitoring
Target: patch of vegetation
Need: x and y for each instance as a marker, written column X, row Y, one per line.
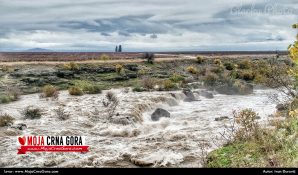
column 200, row 60
column 177, row 78
column 104, row 57
column 110, row 103
column 245, row 64
column 272, row 148
column 88, row 87
column 76, row 91
column 218, row 70
column 32, row 112
column 192, row 70
column 71, row 66
column 49, row 91
column 11, row 94
column 229, row 66
column 149, row 83
column 169, row 85
column 61, row 114
column 217, row 61
column 210, row 79
column 119, row 69
column 247, row 75
column 6, row 120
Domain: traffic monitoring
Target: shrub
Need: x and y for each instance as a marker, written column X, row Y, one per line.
column 229, row 66
column 192, row 70
column 248, row 125
column 149, row 57
column 149, row 83
column 11, row 94
column 61, row 114
column 74, row 90
column 217, row 70
column 246, row 75
column 5, row 99
column 71, row 66
column 104, row 57
column 88, row 87
column 111, row 102
column 142, row 72
column 119, row 69
column 6, row 120
column 200, row 60
column 176, row 78
column 168, row 85
column 244, row 64
column 32, row 112
column 210, row 79
column 217, row 62
column 49, row 91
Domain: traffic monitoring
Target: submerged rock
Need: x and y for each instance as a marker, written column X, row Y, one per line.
column 281, row 107
column 19, row 126
column 206, row 94
column 158, row 113
column 189, row 95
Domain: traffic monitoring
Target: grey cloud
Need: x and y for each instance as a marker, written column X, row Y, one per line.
column 168, row 24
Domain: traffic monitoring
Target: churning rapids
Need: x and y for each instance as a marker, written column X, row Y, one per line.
column 170, row 142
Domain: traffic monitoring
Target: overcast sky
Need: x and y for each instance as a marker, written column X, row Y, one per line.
column 147, row 25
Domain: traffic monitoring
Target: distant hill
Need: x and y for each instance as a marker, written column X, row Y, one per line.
column 38, row 50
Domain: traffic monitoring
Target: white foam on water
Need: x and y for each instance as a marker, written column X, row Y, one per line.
column 169, row 142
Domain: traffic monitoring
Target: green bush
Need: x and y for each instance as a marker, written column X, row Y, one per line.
column 229, row 66
column 253, row 146
column 168, row 85
column 5, row 99
column 6, row 120
column 32, row 112
column 11, row 94
column 75, row 91
column 88, row 87
column 176, row 78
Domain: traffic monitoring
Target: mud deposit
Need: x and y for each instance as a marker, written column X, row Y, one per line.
column 124, row 141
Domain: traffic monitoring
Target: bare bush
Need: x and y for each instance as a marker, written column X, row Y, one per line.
column 111, row 102
column 243, row 127
column 278, row 78
column 61, row 114
column 149, row 57
column 31, row 112
column 6, row 120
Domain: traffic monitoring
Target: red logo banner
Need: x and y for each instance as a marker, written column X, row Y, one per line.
column 24, row 149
